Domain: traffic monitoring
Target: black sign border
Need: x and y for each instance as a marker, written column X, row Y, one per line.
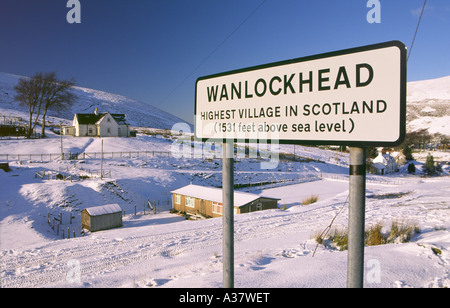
column 361, row 143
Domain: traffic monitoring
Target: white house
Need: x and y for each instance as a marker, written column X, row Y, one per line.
column 98, row 125
column 384, row 164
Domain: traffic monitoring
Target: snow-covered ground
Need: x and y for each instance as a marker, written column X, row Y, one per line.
column 273, row 248
column 434, row 124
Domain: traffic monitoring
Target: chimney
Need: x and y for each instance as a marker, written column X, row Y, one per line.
column 96, row 111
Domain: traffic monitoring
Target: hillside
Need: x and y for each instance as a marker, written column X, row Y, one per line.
column 429, row 105
column 138, row 113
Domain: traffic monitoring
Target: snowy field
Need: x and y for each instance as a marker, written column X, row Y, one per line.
column 273, row 248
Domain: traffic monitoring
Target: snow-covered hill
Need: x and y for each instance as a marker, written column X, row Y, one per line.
column 432, row 89
column 138, row 113
column 429, row 105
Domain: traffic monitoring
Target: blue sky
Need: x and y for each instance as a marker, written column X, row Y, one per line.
column 154, row 50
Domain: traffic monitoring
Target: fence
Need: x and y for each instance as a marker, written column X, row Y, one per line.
column 131, row 154
column 20, row 136
column 373, row 180
column 57, row 225
column 45, row 157
column 275, row 183
column 41, row 157
column 65, row 176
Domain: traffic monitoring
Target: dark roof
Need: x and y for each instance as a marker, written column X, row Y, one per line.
column 120, row 118
column 91, row 118
column 87, row 118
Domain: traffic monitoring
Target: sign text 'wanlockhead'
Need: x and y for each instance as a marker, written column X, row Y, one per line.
column 353, row 97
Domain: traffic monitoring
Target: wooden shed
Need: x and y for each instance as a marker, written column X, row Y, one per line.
column 4, row 166
column 101, row 217
column 207, row 201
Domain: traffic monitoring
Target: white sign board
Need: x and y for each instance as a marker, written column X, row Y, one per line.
column 353, row 97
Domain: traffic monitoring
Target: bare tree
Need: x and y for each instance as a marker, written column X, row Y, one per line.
column 57, row 95
column 28, row 94
column 41, row 92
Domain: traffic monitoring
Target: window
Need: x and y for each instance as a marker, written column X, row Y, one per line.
column 217, row 208
column 177, row 199
column 109, row 130
column 108, row 120
column 259, row 206
column 90, row 131
column 190, row 202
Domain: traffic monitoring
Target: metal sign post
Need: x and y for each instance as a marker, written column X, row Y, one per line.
column 356, row 218
column 228, row 213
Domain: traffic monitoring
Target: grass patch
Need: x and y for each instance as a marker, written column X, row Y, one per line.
column 436, row 251
column 374, row 235
column 400, row 232
column 310, row 200
column 389, row 196
column 338, row 238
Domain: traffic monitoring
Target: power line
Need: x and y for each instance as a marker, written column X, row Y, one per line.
column 417, row 29
column 212, row 52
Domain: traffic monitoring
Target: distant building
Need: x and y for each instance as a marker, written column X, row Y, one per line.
column 207, row 201
column 98, row 125
column 399, row 158
column 101, row 217
column 12, row 126
column 383, row 164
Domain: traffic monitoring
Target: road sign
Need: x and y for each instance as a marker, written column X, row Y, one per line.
column 354, row 97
